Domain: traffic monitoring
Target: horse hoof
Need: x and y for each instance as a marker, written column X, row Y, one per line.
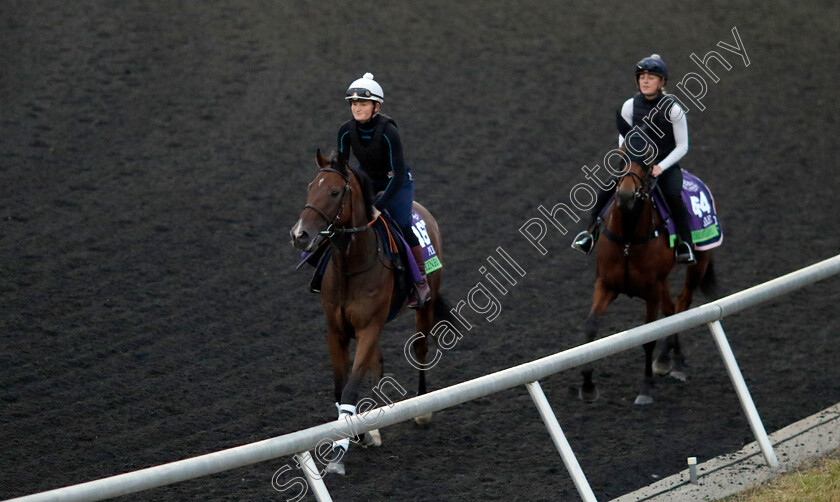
column 643, row 399
column 335, row 468
column 372, row 438
column 589, row 396
column 423, row 419
column 661, row 368
column 678, row 375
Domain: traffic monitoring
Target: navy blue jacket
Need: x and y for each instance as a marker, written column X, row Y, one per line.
column 377, row 146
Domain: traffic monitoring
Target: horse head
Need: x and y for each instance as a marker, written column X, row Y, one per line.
column 634, row 186
column 329, row 203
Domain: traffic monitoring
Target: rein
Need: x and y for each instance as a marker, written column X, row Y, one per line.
column 332, row 231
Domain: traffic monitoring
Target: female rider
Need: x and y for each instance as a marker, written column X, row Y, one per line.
column 375, row 142
column 668, row 118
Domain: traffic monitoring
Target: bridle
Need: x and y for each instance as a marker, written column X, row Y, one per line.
column 331, row 230
column 643, row 187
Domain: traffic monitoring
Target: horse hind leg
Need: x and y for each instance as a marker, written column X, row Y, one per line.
column 588, row 391
column 664, row 363
column 677, row 360
column 425, row 319
column 670, row 359
column 646, row 395
column 377, row 371
column 695, row 275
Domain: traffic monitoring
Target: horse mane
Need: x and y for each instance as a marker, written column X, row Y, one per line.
column 340, row 164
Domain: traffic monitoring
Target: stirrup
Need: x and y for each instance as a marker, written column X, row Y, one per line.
column 420, row 294
column 684, row 254
column 583, row 242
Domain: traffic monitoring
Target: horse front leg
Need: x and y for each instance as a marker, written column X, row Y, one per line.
column 646, row 395
column 338, row 343
column 367, row 345
column 601, row 299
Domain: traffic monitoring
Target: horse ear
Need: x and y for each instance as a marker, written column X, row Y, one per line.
column 338, row 162
column 321, row 160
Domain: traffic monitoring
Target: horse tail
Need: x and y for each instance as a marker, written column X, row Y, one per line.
column 708, row 283
column 442, row 312
column 442, row 309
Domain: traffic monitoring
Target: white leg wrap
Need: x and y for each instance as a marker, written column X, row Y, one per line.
column 343, row 443
column 345, row 409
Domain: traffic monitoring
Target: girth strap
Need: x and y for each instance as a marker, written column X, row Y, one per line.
column 636, row 239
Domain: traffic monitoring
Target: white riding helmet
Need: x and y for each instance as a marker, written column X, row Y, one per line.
column 365, row 88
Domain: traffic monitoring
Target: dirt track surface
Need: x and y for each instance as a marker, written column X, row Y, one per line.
column 153, row 158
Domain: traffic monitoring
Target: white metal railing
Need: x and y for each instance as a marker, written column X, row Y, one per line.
column 300, row 442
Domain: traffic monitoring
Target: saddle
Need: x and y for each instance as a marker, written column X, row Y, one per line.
column 706, row 231
column 395, row 251
column 703, row 222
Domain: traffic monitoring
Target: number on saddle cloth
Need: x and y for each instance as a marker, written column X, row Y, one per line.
column 418, row 226
column 705, row 227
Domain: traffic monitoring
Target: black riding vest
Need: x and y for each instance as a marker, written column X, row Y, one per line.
column 654, row 113
column 370, row 152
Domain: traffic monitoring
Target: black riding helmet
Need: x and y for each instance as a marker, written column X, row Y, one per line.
column 652, row 64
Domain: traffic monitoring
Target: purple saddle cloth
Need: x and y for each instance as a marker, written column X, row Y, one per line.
column 703, row 221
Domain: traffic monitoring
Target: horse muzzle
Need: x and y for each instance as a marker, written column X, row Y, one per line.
column 625, row 200
column 302, row 239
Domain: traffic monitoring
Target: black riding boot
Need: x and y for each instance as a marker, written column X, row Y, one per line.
column 585, row 240
column 684, row 247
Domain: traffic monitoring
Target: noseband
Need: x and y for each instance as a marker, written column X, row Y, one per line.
column 642, row 187
column 330, row 231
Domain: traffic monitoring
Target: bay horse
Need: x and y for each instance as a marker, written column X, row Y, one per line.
column 633, row 257
column 358, row 286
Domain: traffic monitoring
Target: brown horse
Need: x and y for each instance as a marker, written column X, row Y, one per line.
column 634, row 258
column 358, row 286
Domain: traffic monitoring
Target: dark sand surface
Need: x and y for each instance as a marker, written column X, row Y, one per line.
column 153, row 156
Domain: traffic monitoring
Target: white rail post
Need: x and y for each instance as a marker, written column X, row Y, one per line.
column 743, row 394
column 316, row 482
column 560, row 441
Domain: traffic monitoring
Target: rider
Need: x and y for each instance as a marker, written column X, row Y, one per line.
column 651, row 77
column 375, row 142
